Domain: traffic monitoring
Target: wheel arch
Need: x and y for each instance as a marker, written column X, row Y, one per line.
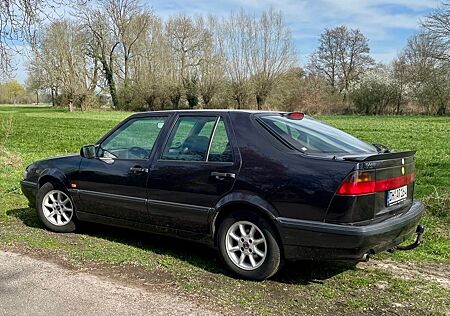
column 250, row 202
column 54, row 176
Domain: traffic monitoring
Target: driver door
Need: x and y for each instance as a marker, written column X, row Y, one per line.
column 114, row 183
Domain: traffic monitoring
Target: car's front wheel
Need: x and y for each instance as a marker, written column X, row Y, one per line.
column 248, row 246
column 55, row 208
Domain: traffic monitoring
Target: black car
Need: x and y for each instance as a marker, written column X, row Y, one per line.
column 262, row 187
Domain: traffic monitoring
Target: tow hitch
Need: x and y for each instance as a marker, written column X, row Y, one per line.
column 419, row 231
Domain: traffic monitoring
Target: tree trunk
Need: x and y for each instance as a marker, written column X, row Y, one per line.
column 37, row 97
column 260, row 100
column 53, row 96
column 111, row 84
column 206, row 99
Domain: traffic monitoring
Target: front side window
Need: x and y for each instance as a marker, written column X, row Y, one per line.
column 133, row 140
column 311, row 136
column 190, row 140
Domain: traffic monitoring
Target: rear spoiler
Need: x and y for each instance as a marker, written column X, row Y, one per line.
column 378, row 157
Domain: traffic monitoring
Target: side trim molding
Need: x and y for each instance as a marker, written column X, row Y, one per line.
column 111, row 196
column 142, row 200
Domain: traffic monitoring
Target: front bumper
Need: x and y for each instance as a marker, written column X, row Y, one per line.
column 29, row 189
column 310, row 240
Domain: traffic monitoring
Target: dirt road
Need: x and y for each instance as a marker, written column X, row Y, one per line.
column 34, row 287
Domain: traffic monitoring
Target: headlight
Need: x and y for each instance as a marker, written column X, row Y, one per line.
column 25, row 173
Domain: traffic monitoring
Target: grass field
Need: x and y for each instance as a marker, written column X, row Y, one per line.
column 388, row 285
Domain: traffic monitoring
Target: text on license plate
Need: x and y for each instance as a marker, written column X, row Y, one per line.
column 396, row 195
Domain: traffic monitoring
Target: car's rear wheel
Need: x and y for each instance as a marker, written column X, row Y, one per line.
column 248, row 246
column 55, row 208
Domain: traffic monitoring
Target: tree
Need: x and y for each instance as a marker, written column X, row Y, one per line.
column 19, row 22
column 272, row 52
column 130, row 21
column 400, row 75
column 60, row 62
column 376, row 92
column 428, row 73
column 112, row 25
column 187, row 39
column 437, row 26
column 342, row 57
column 211, row 68
column 12, row 91
column 235, row 46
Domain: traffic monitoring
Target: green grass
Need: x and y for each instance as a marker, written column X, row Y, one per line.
column 42, row 132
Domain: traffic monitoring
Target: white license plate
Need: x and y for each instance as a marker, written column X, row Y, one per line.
column 396, row 195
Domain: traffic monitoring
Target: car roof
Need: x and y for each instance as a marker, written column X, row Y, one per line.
column 209, row 110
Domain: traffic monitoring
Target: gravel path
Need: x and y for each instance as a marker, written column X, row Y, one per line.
column 34, row 287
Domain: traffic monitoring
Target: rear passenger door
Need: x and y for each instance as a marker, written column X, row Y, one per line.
column 196, row 166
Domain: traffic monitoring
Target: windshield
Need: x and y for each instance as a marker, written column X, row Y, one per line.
column 311, row 136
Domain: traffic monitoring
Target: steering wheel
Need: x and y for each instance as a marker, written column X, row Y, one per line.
column 138, row 152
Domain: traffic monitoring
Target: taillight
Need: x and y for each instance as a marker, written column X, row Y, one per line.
column 359, row 182
column 364, row 182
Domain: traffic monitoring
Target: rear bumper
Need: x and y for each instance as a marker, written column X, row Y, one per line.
column 29, row 189
column 318, row 240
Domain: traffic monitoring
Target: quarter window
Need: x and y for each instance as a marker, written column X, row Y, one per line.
column 133, row 140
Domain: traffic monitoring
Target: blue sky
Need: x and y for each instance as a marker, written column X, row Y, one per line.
column 387, row 23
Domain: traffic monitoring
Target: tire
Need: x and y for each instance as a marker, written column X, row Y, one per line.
column 53, row 198
column 261, row 242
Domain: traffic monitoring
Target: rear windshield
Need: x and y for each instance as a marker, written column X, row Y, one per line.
column 311, row 136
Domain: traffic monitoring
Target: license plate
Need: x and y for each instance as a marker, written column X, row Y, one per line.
column 396, row 196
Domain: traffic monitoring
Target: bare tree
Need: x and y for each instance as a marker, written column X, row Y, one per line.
column 400, row 75
column 113, row 24
column 272, row 52
column 211, row 67
column 437, row 26
column 187, row 38
column 342, row 56
column 429, row 76
column 149, row 67
column 102, row 44
column 129, row 22
column 19, row 22
column 60, row 61
column 235, row 46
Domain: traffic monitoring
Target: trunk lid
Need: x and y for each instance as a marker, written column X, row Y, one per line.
column 381, row 186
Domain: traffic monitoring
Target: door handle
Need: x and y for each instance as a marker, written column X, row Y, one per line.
column 137, row 169
column 223, row 175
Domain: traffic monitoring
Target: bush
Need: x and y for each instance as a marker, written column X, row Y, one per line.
column 375, row 93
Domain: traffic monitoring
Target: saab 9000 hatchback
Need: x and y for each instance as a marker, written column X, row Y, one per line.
column 261, row 187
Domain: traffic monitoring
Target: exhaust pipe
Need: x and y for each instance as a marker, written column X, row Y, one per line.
column 365, row 257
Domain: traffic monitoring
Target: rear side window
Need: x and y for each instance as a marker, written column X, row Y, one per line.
column 311, row 136
column 189, row 139
column 199, row 138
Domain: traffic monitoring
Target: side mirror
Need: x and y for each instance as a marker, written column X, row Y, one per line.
column 88, row 151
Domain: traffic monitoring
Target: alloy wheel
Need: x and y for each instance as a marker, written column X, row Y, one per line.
column 246, row 245
column 57, row 207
